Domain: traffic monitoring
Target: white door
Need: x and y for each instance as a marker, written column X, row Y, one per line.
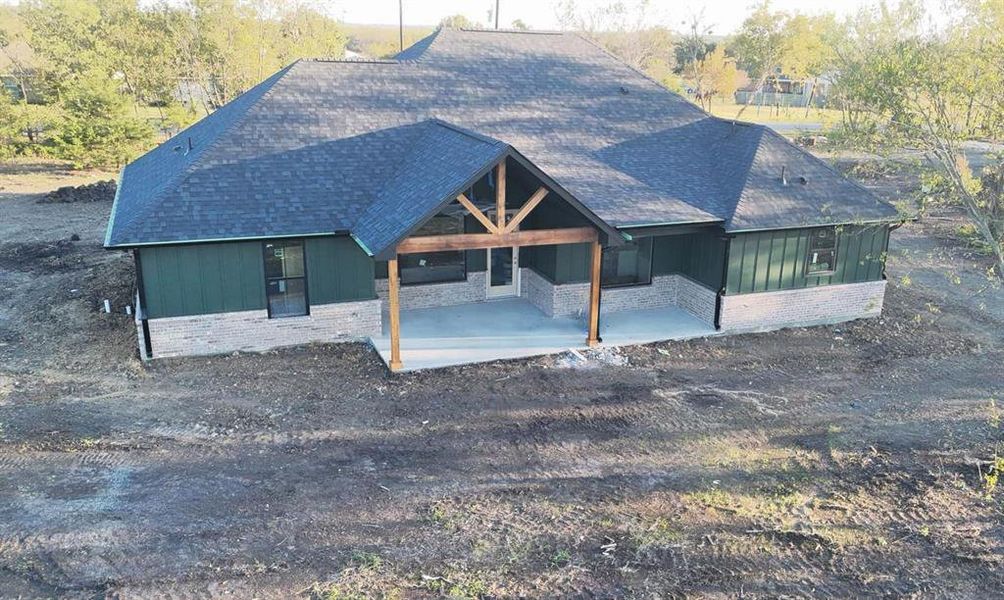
column 503, row 268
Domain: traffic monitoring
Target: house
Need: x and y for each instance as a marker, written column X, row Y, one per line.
column 781, row 90
column 489, row 194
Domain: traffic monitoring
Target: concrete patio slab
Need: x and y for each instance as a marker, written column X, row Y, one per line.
column 514, row 328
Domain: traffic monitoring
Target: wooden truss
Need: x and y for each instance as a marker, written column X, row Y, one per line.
column 500, row 234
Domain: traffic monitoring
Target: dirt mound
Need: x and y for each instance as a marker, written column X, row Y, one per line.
column 40, row 257
column 99, row 191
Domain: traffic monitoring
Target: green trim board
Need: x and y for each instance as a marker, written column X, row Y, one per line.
column 775, row 260
column 860, row 223
column 225, row 240
column 115, row 203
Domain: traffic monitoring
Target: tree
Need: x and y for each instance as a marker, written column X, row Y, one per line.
column 693, row 47
column 97, row 129
column 774, row 43
column 14, row 47
column 306, row 32
column 806, row 53
column 692, row 50
column 458, row 22
column 716, row 75
column 760, row 43
column 9, row 133
column 622, row 29
column 935, row 91
column 520, row 25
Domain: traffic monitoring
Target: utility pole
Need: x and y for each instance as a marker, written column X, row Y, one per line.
column 400, row 24
column 496, row 14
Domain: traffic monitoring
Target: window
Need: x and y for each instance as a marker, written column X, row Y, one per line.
column 435, row 267
column 822, row 257
column 285, row 279
column 630, row 264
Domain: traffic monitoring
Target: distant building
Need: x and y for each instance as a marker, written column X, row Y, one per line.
column 13, row 86
column 782, row 90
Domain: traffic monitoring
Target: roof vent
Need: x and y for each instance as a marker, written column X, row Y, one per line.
column 190, row 146
column 803, row 180
column 784, row 178
column 623, row 90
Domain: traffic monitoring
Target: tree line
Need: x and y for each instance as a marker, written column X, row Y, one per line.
column 91, row 81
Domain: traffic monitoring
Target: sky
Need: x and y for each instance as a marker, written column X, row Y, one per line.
column 723, row 16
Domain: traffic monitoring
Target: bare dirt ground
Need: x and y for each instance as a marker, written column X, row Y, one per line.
column 828, row 462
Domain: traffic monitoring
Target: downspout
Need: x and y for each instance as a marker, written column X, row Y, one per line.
column 721, row 287
column 141, row 306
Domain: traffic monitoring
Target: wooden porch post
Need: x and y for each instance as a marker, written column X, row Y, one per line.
column 594, row 296
column 500, row 195
column 395, row 316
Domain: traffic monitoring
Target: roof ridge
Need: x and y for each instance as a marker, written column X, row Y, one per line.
column 748, row 169
column 184, row 173
column 508, row 30
column 375, row 61
column 418, row 48
column 468, row 132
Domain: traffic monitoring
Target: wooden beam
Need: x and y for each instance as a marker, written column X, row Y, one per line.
column 475, row 241
column 500, row 195
column 395, row 314
column 528, row 206
column 480, row 216
column 594, row 295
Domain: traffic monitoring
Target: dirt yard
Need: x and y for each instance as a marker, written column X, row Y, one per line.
column 828, row 462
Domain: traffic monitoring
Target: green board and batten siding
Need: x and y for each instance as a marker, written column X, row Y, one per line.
column 338, row 271
column 198, row 279
column 775, row 260
column 699, row 256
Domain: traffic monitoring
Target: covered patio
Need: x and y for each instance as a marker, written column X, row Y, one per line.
column 515, row 328
column 439, row 337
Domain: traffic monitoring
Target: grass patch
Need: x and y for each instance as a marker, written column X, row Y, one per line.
column 660, row 533
column 768, row 114
column 366, row 560
column 844, row 537
column 773, row 503
column 459, row 585
column 442, row 515
column 561, row 557
column 716, row 452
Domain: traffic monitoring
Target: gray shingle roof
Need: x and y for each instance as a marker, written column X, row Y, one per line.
column 322, row 147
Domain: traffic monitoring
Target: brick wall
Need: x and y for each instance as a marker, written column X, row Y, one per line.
column 253, row 331
column 695, row 298
column 661, row 293
column 438, row 294
column 802, row 307
column 572, row 300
